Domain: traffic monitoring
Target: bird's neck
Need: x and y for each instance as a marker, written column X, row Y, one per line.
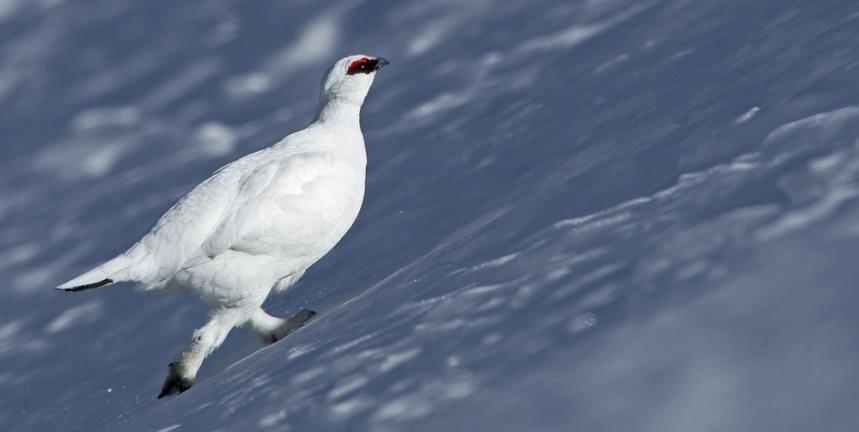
column 339, row 113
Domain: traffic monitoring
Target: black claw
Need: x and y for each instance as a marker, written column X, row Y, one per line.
column 300, row 319
column 304, row 314
column 270, row 338
column 175, row 384
column 297, row 321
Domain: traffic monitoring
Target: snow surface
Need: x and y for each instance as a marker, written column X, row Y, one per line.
column 595, row 215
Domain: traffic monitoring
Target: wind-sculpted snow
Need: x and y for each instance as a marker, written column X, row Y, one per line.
column 684, row 281
column 596, row 215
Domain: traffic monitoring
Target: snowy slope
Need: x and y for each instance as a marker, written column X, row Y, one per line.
column 581, row 215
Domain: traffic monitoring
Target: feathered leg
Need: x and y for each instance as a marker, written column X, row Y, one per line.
column 271, row 329
column 206, row 339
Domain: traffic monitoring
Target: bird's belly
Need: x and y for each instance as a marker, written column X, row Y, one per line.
column 233, row 279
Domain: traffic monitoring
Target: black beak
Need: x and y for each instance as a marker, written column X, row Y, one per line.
column 380, row 63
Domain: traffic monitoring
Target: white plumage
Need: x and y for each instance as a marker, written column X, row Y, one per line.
column 256, row 223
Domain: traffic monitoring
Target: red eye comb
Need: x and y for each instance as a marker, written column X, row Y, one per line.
column 358, row 66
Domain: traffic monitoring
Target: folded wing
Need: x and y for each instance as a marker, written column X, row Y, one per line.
column 284, row 208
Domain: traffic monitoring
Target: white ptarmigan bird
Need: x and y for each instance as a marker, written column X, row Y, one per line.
column 256, row 224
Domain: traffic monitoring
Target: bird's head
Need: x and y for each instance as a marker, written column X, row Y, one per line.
column 350, row 78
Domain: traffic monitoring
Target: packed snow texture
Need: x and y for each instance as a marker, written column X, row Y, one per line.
column 595, row 215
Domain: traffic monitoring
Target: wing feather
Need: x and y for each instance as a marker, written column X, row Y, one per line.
column 279, row 207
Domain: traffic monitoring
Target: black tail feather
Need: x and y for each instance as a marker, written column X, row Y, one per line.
column 90, row 286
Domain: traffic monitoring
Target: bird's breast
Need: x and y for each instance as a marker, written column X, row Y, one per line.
column 308, row 224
